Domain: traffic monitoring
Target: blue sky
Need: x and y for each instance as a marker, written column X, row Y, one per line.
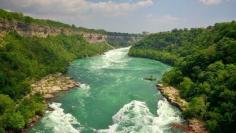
column 129, row 15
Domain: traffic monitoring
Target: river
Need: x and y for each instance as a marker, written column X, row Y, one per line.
column 113, row 97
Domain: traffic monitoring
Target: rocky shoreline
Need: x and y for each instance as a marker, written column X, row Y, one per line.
column 52, row 84
column 173, row 96
column 49, row 86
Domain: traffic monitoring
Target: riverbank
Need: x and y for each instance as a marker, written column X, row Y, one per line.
column 52, row 84
column 49, row 86
column 173, row 97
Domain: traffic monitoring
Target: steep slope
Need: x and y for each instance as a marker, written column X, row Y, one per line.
column 204, row 61
column 29, row 50
column 27, row 26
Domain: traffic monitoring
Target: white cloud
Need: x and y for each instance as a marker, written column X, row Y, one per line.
column 77, row 5
column 78, row 9
column 110, row 6
column 211, row 2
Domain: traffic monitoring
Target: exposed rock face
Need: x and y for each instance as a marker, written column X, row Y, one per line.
column 30, row 30
column 173, row 96
column 94, row 38
column 196, row 126
column 53, row 83
column 33, row 29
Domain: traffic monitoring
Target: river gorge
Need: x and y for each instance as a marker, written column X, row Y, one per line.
column 113, row 97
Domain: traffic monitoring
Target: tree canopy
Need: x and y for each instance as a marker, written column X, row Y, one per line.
column 204, row 70
column 26, row 59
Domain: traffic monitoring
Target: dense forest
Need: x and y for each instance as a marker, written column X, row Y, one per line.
column 204, row 70
column 24, row 60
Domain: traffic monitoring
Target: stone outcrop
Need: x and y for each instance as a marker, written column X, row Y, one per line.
column 44, row 31
column 33, row 29
column 53, row 83
column 193, row 126
column 173, row 96
column 196, row 126
column 94, row 38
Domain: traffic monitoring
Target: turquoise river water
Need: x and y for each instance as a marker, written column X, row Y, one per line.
column 113, row 98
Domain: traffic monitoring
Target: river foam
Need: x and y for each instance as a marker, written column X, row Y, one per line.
column 131, row 118
column 85, row 89
column 112, row 80
column 136, row 117
column 115, row 57
column 60, row 122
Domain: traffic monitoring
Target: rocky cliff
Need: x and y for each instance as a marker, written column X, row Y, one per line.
column 30, row 29
column 25, row 29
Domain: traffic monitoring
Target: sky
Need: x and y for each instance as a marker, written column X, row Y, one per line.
column 132, row 16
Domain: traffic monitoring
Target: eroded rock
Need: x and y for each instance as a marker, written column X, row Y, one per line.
column 53, row 83
column 173, row 96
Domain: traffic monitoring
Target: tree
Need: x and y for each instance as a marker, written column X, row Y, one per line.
column 206, row 58
column 186, row 87
column 13, row 120
column 6, row 103
column 173, row 77
column 197, row 107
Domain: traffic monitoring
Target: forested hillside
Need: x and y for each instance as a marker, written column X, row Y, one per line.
column 204, row 70
column 28, row 26
column 24, row 60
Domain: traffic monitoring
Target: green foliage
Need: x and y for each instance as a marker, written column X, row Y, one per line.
column 165, row 57
column 30, row 107
column 2, row 130
column 16, row 16
column 204, row 70
column 170, row 77
column 6, row 103
column 197, row 107
column 113, row 37
column 186, row 87
column 14, row 116
column 13, row 120
column 24, row 59
column 9, row 119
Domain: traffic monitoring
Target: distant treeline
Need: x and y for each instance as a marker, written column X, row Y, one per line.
column 204, row 70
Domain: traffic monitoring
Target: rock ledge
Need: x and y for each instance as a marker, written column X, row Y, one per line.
column 173, row 96
column 53, row 83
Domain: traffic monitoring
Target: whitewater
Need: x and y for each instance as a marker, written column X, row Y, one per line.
column 113, row 98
